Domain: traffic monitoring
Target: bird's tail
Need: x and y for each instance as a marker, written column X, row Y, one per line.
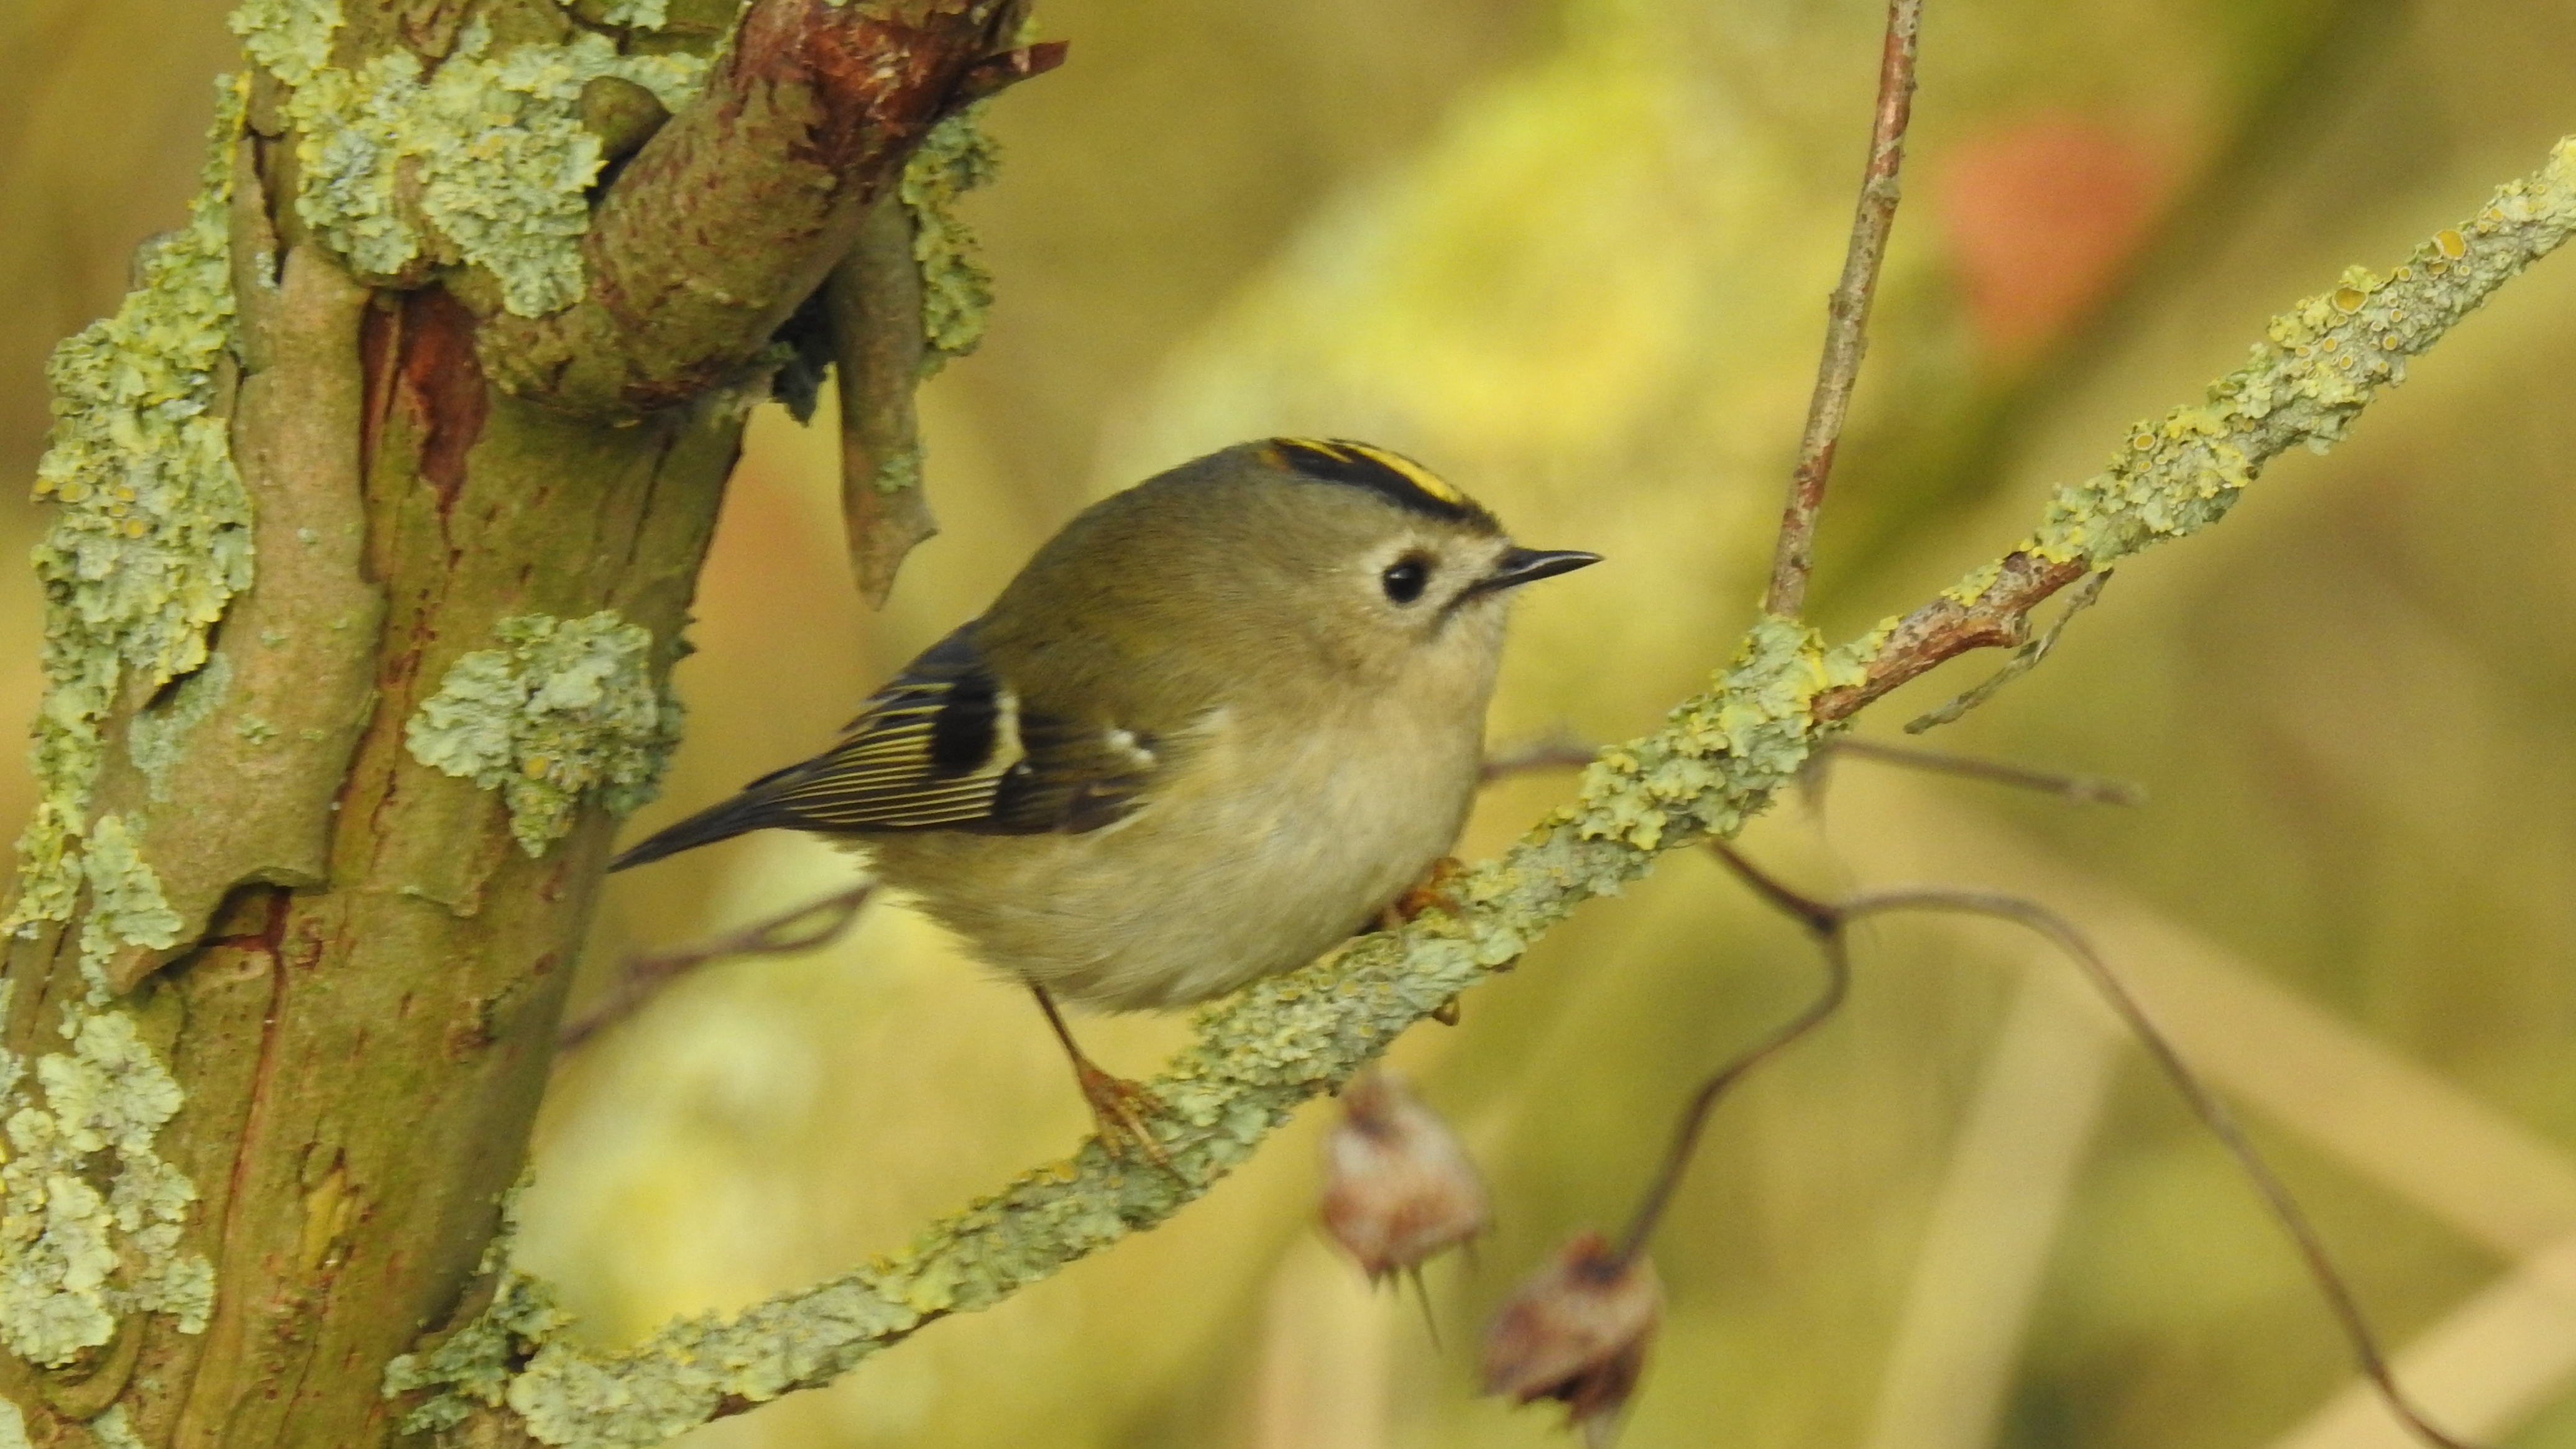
column 751, row 810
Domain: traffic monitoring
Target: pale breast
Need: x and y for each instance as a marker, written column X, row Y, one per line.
column 1271, row 846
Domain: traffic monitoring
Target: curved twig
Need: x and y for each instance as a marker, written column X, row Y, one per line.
column 2205, row 1105
column 1825, row 922
column 806, row 928
column 1828, row 922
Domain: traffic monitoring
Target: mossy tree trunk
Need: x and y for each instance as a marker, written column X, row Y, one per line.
column 383, row 500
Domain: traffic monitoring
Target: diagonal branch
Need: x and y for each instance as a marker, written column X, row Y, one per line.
column 2319, row 365
column 1720, row 758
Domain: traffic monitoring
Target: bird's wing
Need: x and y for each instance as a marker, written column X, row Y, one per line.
column 944, row 746
column 947, row 746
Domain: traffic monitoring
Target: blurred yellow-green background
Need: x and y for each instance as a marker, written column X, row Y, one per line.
column 1573, row 254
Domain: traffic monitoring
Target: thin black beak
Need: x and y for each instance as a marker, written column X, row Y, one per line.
column 1528, row 565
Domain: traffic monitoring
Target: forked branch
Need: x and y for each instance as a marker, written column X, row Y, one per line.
column 1830, row 920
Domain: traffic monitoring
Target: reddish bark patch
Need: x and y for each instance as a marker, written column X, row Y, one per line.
column 1999, row 618
column 443, row 387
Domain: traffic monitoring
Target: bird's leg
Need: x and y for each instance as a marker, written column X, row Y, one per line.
column 1119, row 1107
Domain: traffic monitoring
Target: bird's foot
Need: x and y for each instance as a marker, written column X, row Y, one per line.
column 1431, row 893
column 1122, row 1111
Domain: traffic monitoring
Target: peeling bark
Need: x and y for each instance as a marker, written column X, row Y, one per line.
column 871, row 304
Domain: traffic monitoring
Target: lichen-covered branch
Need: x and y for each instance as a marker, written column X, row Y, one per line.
column 2318, row 365
column 732, row 214
column 1719, row 758
column 482, row 160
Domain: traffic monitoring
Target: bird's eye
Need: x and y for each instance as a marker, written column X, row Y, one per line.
column 1405, row 577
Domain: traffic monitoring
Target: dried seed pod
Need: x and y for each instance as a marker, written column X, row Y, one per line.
column 1577, row 1332
column 1398, row 1186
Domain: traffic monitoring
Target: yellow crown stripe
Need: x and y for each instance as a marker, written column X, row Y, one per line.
column 1413, row 472
column 1433, row 486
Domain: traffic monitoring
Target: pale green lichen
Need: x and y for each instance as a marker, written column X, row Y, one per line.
column 1718, row 759
column 156, row 738
column 561, row 709
column 1720, row 754
column 956, row 290
column 483, row 161
column 1972, row 588
column 151, row 533
column 74, row 1259
column 126, row 906
column 637, row 14
column 290, row 39
column 114, row 1431
column 13, row 1427
column 474, row 1364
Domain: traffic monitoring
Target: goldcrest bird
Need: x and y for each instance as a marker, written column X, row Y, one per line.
column 1218, row 724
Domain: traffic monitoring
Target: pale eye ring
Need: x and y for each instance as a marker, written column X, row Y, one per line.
column 1405, row 578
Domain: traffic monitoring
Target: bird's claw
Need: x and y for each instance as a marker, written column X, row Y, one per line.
column 1431, row 893
column 1121, row 1111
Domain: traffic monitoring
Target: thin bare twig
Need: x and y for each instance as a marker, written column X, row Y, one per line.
column 1846, row 330
column 2024, row 660
column 1827, row 924
column 1828, row 920
column 2088, row 789
column 2204, row 1104
column 1548, row 752
column 813, row 924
